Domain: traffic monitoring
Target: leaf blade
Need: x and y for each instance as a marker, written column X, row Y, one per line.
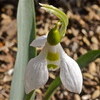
column 26, row 29
column 88, row 57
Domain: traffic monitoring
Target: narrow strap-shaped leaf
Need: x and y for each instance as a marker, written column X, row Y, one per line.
column 30, row 96
column 52, row 88
column 88, row 57
column 62, row 16
column 26, row 33
column 83, row 61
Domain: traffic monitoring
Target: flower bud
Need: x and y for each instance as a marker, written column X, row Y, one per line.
column 54, row 36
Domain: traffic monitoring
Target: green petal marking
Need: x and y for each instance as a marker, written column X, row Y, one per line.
column 52, row 66
column 52, row 56
column 62, row 16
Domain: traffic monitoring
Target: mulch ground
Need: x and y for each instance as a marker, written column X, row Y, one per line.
column 83, row 34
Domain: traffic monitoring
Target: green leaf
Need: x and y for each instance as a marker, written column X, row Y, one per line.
column 88, row 57
column 52, row 88
column 30, row 96
column 83, row 61
column 26, row 33
column 62, row 16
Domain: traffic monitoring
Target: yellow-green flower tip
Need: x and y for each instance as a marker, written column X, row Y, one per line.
column 52, row 66
column 54, row 36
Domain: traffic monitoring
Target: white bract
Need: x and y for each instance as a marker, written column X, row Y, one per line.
column 52, row 57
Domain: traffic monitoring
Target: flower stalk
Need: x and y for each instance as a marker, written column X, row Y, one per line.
column 62, row 16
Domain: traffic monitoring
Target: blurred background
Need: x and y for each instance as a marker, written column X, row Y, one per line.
column 82, row 35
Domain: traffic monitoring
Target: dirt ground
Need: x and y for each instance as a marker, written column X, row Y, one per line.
column 83, row 34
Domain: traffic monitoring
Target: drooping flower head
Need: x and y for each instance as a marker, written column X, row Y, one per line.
column 53, row 57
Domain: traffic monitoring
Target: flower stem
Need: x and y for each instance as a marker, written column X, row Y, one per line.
column 61, row 15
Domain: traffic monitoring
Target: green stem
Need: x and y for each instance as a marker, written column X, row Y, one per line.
column 61, row 15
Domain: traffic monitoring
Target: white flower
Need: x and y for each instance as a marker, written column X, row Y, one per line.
column 52, row 57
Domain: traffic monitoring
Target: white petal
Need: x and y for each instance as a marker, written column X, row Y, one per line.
column 70, row 73
column 40, row 41
column 36, row 74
